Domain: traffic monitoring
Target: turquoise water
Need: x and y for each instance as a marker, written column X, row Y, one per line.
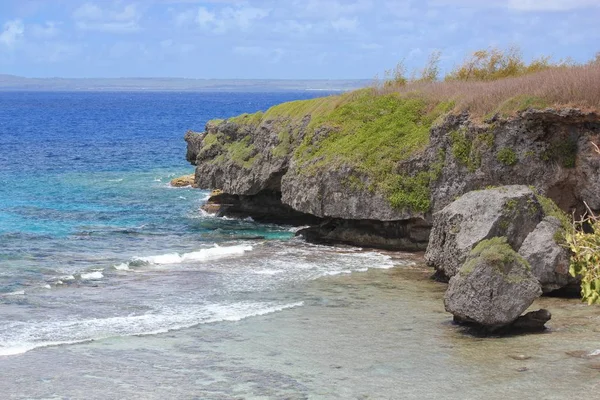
column 94, row 243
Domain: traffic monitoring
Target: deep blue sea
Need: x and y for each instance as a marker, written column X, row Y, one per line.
column 94, row 243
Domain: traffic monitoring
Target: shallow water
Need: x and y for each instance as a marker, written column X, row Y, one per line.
column 380, row 334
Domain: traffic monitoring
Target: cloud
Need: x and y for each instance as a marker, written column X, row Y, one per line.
column 90, row 17
column 229, row 18
column 345, row 24
column 521, row 5
column 45, row 31
column 331, row 9
column 88, row 11
column 12, row 32
column 272, row 55
column 551, row 5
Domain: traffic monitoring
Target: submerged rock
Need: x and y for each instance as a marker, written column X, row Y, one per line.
column 509, row 211
column 493, row 287
column 549, row 261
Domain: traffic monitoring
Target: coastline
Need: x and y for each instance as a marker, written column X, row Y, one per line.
column 375, row 334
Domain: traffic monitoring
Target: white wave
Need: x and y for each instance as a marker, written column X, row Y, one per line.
column 122, row 267
column 334, row 273
column 201, row 255
column 206, row 214
column 92, row 276
column 268, row 271
column 295, row 229
column 20, row 337
column 67, row 278
column 594, row 353
column 206, row 197
column 47, row 287
column 116, row 180
column 16, row 293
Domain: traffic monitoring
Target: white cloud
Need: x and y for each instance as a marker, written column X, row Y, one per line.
column 331, row 9
column 91, row 17
column 88, row 11
column 12, row 32
column 345, row 24
column 109, row 27
column 45, row 31
column 204, row 17
column 551, row 5
column 521, row 5
column 53, row 51
column 228, row 18
column 294, row 27
column 272, row 55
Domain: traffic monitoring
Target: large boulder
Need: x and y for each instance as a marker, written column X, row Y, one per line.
column 508, row 211
column 493, row 287
column 549, row 261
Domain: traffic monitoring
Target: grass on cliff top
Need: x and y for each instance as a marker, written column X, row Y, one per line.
column 500, row 81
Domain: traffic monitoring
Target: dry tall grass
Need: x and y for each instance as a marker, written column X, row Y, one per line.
column 496, row 80
column 569, row 86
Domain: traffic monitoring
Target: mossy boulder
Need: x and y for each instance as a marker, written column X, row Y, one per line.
column 509, row 211
column 493, row 287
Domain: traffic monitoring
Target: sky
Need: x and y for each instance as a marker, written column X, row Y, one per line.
column 285, row 39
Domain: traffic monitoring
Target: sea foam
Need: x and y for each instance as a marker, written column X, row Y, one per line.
column 201, row 255
column 18, row 338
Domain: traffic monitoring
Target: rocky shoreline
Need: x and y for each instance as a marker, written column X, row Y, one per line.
column 487, row 200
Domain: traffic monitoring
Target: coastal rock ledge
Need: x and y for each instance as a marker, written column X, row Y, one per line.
column 372, row 169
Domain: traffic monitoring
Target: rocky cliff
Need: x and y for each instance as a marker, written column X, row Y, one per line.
column 374, row 167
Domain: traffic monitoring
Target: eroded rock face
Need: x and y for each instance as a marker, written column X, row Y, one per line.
column 549, row 261
column 493, row 287
column 410, row 235
column 263, row 207
column 508, row 211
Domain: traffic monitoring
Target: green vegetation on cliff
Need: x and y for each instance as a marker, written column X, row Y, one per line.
column 365, row 130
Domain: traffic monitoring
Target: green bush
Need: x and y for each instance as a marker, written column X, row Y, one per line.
column 585, row 259
column 507, row 156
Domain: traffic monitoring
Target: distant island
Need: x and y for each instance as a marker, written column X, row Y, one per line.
column 18, row 83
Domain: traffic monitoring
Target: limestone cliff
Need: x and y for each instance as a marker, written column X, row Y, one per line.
column 375, row 167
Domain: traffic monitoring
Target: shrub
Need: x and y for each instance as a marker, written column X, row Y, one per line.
column 507, row 156
column 494, row 63
column 585, row 258
column 585, row 249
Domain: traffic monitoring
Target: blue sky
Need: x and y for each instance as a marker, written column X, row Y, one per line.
column 279, row 39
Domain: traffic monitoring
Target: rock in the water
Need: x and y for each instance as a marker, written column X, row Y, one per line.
column 183, row 181
column 507, row 211
column 493, row 287
column 533, row 321
column 549, row 261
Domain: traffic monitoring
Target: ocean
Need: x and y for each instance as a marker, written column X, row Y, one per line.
column 115, row 285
